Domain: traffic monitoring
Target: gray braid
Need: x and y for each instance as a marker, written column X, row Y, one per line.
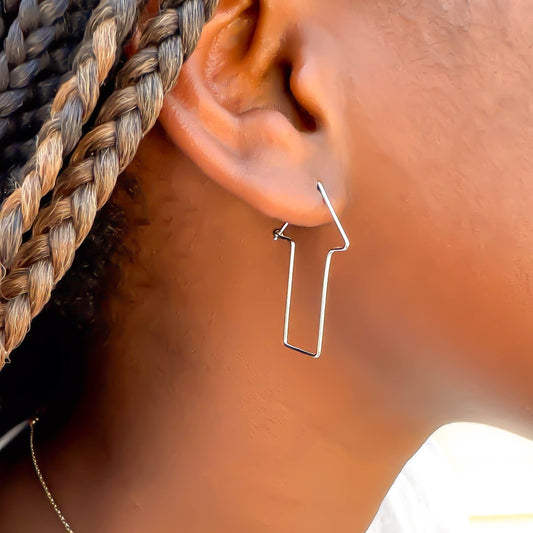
column 18, row 131
column 30, row 34
column 8, row 11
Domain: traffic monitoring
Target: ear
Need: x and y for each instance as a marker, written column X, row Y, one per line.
column 251, row 111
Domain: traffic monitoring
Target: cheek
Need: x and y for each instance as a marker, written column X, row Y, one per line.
column 442, row 213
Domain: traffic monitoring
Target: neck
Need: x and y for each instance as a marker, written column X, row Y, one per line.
column 195, row 418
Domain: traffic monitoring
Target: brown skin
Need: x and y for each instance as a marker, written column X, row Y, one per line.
column 196, row 418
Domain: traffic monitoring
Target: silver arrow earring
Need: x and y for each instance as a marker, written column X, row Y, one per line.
column 279, row 234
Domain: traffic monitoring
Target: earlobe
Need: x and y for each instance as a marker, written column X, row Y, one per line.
column 235, row 113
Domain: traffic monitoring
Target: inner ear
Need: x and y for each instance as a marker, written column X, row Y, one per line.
column 251, row 77
column 250, row 116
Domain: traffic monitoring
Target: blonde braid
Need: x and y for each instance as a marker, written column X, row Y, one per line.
column 73, row 104
column 100, row 156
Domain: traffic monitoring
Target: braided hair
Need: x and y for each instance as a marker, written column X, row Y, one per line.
column 73, row 111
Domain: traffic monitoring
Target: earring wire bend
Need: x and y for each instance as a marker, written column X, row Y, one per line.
column 279, row 234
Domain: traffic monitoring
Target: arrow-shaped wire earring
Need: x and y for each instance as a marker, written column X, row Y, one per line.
column 279, row 234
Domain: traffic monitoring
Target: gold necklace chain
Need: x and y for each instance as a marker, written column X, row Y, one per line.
column 41, row 478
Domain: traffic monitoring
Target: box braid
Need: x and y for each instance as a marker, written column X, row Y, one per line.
column 73, row 105
column 18, row 130
column 29, row 35
column 33, row 269
column 33, row 45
